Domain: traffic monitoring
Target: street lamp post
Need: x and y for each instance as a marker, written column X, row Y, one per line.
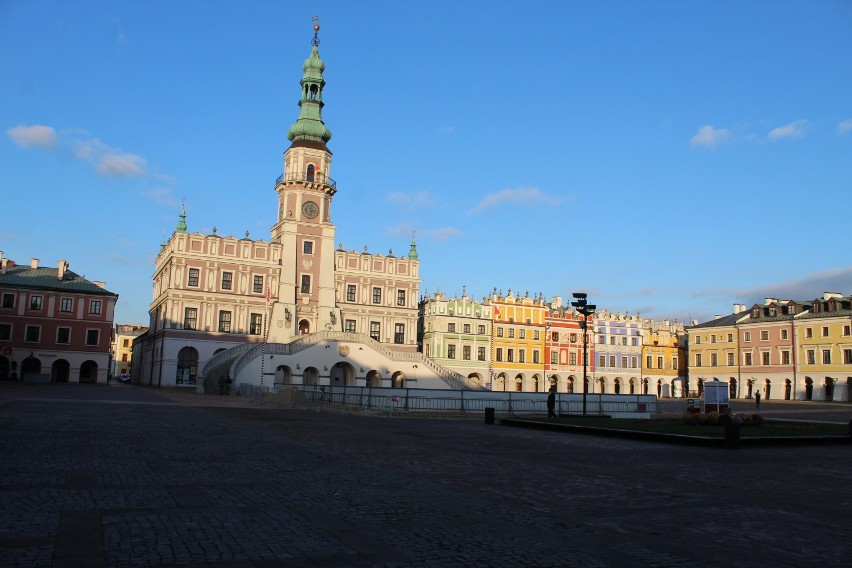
column 586, row 310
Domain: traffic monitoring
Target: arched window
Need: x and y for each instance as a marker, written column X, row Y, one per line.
column 187, row 366
column 311, row 170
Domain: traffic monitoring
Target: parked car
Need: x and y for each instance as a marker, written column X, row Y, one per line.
column 124, row 378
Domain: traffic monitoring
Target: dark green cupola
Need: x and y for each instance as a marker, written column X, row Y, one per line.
column 309, row 129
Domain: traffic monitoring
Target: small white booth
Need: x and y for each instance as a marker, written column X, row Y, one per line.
column 715, row 397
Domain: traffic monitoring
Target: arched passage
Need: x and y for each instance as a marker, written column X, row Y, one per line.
column 89, row 372
column 283, row 375
column 60, row 371
column 304, row 327
column 342, row 374
column 374, row 379
column 187, row 366
column 30, row 367
column 398, row 379
column 310, row 376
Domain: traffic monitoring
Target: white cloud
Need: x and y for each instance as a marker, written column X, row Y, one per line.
column 795, row 129
column 844, row 127
column 709, row 137
column 418, row 200
column 108, row 161
column 440, row 235
column 43, row 137
column 521, row 195
column 121, row 165
column 163, row 196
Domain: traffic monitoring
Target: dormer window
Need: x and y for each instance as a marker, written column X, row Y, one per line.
column 755, row 313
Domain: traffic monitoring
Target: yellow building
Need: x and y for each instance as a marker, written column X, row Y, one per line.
column 122, row 347
column 713, row 353
column 824, row 338
column 663, row 359
column 518, row 343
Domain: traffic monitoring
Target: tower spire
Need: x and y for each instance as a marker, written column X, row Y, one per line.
column 309, row 129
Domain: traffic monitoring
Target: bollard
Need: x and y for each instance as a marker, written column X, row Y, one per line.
column 489, row 415
column 732, row 436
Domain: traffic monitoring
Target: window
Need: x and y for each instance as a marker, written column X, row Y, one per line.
column 225, row 321
column 572, row 338
column 747, row 361
column 511, row 332
column 480, row 353
column 510, row 355
column 399, row 333
column 522, row 334
column 375, row 330
column 377, row 295
column 499, row 332
column 124, row 357
column 5, row 331
column 451, row 351
column 698, row 359
column 256, row 324
column 35, row 302
column 466, row 328
column 451, row 327
column 747, row 336
column 63, row 335
column 660, row 362
column 825, row 331
column 95, row 307
column 624, row 341
column 810, row 357
column 32, row 333
column 698, row 340
column 713, row 338
column 602, row 339
column 400, row 297
column 522, row 356
column 624, row 362
column 125, row 343
column 66, row 305
column 785, row 357
column 847, row 356
column 305, row 288
column 192, row 280
column 349, row 326
column 764, row 335
column 187, row 366
column 535, row 356
column 634, row 341
column 308, row 247
column 674, row 362
column 602, row 361
column 554, row 336
column 809, row 332
column 847, row 330
column 649, row 362
column 764, row 358
column 227, row 280
column 826, row 356
column 257, row 285
column 499, row 353
column 783, row 334
column 730, row 337
column 535, row 335
column 190, row 318
column 612, row 340
column 8, row 301
column 92, row 336
column 612, row 361
column 554, row 358
column 572, row 358
column 481, row 330
column 730, row 359
column 350, row 292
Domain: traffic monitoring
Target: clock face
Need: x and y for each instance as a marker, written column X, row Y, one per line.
column 310, row 209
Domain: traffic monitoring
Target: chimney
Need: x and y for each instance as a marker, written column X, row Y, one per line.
column 3, row 262
column 63, row 266
column 717, row 316
column 34, row 263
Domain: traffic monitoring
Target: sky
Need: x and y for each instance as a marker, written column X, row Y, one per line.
column 669, row 158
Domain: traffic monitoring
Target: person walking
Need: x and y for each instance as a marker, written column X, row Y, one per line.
column 757, row 398
column 551, row 402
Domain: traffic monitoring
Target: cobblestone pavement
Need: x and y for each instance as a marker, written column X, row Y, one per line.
column 129, row 476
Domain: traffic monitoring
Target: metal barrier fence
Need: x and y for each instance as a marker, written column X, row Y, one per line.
column 449, row 403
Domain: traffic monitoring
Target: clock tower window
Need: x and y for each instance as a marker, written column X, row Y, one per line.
column 311, row 170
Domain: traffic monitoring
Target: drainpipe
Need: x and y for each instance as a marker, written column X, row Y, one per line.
column 793, row 333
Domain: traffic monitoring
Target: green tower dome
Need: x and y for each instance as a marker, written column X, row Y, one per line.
column 309, row 125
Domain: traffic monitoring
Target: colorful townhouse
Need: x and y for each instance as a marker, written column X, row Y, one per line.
column 456, row 334
column 824, row 337
column 618, row 349
column 664, row 368
column 518, row 343
column 564, row 348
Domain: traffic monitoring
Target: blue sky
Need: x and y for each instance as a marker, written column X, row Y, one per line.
column 669, row 158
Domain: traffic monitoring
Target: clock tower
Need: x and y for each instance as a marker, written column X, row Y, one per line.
column 305, row 300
